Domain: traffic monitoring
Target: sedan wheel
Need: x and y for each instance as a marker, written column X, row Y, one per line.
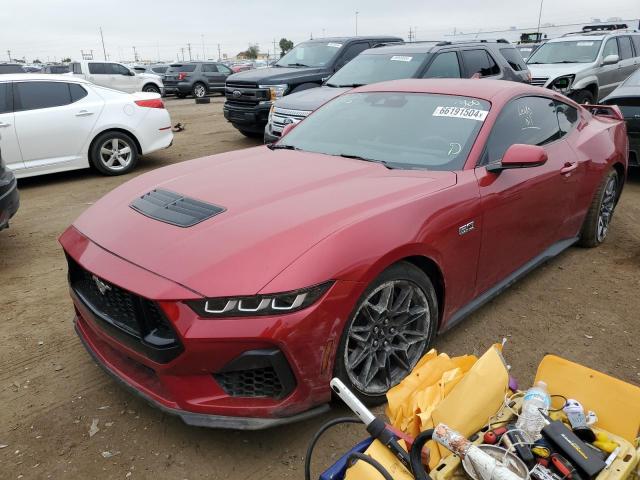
column 114, row 153
column 392, row 326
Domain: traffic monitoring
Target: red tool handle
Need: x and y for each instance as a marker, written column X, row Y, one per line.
column 492, row 436
column 563, row 466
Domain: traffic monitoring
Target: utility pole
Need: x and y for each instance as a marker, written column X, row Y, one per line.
column 275, row 51
column 158, row 50
column 357, row 12
column 204, row 57
column 539, row 17
column 9, row 54
column 189, row 47
column 104, row 50
column 135, row 55
column 182, row 48
column 410, row 35
column 219, row 56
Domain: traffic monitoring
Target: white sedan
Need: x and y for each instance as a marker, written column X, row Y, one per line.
column 55, row 123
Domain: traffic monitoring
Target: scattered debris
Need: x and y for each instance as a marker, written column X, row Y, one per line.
column 178, row 127
column 108, row 424
column 57, row 368
column 40, row 342
column 107, row 454
column 93, row 429
column 3, row 446
column 588, row 336
column 104, row 407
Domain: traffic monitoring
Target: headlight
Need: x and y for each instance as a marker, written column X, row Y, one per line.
column 276, row 91
column 270, row 119
column 259, row 305
column 563, row 84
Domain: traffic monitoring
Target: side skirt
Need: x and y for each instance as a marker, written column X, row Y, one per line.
column 497, row 289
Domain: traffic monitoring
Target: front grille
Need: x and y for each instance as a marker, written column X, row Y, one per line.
column 282, row 116
column 141, row 319
column 257, row 382
column 539, row 81
column 245, row 93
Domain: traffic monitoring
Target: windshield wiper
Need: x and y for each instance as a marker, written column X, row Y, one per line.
column 297, row 65
column 566, row 61
column 280, row 146
column 351, row 85
column 358, row 157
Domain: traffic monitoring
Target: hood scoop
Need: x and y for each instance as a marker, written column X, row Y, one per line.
column 174, row 209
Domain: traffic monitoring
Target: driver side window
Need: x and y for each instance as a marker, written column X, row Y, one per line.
column 527, row 120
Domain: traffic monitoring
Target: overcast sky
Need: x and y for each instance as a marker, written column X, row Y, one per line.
column 48, row 29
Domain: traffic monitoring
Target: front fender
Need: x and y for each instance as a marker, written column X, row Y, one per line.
column 585, row 82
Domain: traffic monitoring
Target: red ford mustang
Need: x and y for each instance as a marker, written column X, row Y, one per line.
column 229, row 289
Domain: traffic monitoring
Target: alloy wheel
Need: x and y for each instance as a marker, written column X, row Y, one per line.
column 387, row 336
column 199, row 91
column 116, row 154
column 606, row 208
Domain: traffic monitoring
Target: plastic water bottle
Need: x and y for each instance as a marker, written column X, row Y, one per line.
column 536, row 401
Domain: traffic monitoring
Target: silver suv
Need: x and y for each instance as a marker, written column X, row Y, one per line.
column 587, row 65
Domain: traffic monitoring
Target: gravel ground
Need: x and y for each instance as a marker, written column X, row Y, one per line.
column 583, row 305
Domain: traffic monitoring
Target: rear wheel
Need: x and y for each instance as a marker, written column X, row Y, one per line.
column 391, row 327
column 114, row 153
column 583, row 97
column 596, row 224
column 150, row 87
column 199, row 90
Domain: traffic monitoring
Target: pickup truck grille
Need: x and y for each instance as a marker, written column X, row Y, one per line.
column 283, row 116
column 539, row 81
column 241, row 93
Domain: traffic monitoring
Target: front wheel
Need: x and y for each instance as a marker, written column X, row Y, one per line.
column 151, row 88
column 583, row 97
column 596, row 223
column 199, row 90
column 114, row 153
column 392, row 325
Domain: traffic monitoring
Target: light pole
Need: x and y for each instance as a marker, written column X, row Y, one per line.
column 357, row 12
column 204, row 57
column 540, row 16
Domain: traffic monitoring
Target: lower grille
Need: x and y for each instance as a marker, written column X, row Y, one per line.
column 140, row 319
column 539, row 81
column 259, row 382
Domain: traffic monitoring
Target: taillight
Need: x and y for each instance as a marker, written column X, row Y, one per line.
column 153, row 103
column 182, row 76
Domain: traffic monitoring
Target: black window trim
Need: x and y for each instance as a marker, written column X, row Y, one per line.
column 340, row 56
column 486, row 50
column 483, row 157
column 431, row 56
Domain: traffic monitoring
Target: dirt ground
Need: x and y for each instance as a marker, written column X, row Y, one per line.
column 583, row 305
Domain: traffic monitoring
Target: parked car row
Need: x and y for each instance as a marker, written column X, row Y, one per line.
column 116, row 76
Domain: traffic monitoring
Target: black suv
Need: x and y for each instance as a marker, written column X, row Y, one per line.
column 496, row 59
column 11, row 68
column 195, row 78
column 307, row 65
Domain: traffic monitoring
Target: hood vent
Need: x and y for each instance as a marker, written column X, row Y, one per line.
column 174, row 209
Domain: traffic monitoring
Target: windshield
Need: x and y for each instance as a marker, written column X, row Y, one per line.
column 372, row 68
column 312, row 54
column 576, row 51
column 401, row 130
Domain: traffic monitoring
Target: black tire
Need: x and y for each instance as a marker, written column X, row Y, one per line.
column 122, row 163
column 596, row 223
column 382, row 335
column 181, row 95
column 583, row 97
column 199, row 90
column 151, row 87
column 250, row 134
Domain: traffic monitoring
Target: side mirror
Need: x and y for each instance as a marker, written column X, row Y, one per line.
column 520, row 156
column 610, row 60
column 287, row 128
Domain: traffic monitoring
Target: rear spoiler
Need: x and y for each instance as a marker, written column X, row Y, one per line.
column 609, row 111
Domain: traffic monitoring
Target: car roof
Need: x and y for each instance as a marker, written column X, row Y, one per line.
column 479, row 88
column 428, row 46
column 15, row 77
column 382, row 38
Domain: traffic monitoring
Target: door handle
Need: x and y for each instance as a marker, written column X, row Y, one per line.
column 84, row 113
column 568, row 168
column 2, row 124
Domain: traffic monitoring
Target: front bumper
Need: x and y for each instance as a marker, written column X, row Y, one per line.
column 250, row 118
column 192, row 384
column 9, row 198
column 270, row 136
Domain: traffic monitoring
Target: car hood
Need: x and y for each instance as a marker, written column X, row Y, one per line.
column 310, row 99
column 623, row 92
column 274, row 75
column 278, row 204
column 555, row 70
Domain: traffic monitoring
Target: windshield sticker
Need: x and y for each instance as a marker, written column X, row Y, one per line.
column 454, row 148
column 526, row 49
column 458, row 112
column 585, row 44
column 401, row 58
column 334, row 45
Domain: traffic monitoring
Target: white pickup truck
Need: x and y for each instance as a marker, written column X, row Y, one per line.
column 117, row 76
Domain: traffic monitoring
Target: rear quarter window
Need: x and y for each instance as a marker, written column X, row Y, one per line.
column 36, row 95
column 513, row 58
column 182, row 68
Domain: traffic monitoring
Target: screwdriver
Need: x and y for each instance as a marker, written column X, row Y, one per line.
column 564, row 467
